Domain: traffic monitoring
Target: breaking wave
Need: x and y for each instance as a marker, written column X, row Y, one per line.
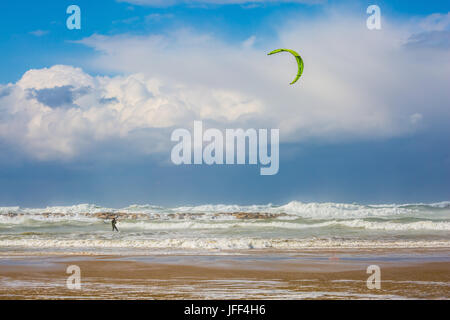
column 295, row 225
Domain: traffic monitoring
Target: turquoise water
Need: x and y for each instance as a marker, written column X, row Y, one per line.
column 209, row 228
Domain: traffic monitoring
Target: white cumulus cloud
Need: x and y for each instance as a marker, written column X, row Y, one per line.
column 61, row 111
column 357, row 84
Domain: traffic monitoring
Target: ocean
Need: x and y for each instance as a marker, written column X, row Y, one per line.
column 222, row 229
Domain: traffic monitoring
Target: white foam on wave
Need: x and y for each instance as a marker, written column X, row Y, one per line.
column 214, row 208
column 326, row 210
column 145, row 225
column 438, row 205
column 6, row 210
column 358, row 223
column 68, row 210
column 396, row 226
column 217, row 243
column 226, row 222
column 33, row 219
column 317, row 210
column 342, row 210
column 442, row 204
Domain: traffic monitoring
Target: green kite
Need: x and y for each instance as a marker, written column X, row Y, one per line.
column 297, row 57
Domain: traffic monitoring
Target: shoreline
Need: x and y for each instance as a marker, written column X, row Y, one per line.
column 141, row 252
column 405, row 274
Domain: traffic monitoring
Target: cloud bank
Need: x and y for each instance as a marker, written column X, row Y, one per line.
column 357, row 84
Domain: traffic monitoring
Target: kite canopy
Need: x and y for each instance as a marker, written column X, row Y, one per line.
column 297, row 57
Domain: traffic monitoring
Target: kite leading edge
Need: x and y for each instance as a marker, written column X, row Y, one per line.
column 297, row 57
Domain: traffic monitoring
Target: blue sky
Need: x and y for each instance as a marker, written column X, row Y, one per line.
column 368, row 122
column 234, row 22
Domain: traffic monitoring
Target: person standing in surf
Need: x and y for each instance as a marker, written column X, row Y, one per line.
column 113, row 222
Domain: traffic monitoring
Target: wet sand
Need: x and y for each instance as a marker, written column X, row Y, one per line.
column 325, row 275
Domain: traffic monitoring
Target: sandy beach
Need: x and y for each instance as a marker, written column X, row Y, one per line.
column 294, row 251
column 405, row 274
